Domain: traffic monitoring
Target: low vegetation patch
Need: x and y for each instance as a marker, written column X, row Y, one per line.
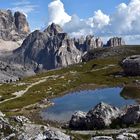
column 101, row 71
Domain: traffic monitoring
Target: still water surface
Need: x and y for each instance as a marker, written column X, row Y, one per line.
column 83, row 100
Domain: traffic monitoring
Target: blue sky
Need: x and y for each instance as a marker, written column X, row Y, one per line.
column 80, row 17
column 83, row 8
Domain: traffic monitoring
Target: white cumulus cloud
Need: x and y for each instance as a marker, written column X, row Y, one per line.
column 57, row 13
column 73, row 24
column 100, row 19
column 125, row 21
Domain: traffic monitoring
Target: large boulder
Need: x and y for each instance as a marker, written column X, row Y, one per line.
column 98, row 118
column 78, row 120
column 131, row 65
column 55, row 135
column 102, row 116
column 115, row 41
column 132, row 115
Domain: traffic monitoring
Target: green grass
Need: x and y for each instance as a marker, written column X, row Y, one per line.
column 6, row 90
column 70, row 78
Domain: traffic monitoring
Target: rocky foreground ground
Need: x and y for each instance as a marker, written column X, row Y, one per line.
column 20, row 128
column 102, row 116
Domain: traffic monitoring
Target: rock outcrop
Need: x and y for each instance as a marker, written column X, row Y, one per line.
column 93, row 43
column 49, row 49
column 115, row 41
column 21, row 23
column 89, row 43
column 12, row 72
column 20, row 128
column 13, row 28
column 78, row 120
column 98, row 118
column 102, row 116
column 131, row 65
column 132, row 115
column 127, row 136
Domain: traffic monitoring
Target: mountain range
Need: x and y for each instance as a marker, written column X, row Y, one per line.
column 43, row 50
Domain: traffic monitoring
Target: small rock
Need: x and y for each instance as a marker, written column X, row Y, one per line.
column 21, row 119
column 102, row 138
column 127, row 136
column 56, row 135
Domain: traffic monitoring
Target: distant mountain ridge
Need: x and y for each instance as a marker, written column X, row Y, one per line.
column 42, row 50
column 53, row 48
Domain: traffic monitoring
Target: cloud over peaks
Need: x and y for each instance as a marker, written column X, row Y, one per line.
column 125, row 21
column 57, row 13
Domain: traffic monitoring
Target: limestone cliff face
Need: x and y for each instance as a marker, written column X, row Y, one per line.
column 88, row 43
column 13, row 29
column 21, row 23
column 115, row 41
column 49, row 49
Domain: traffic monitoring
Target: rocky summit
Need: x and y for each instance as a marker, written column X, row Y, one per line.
column 51, row 48
column 13, row 29
column 115, row 41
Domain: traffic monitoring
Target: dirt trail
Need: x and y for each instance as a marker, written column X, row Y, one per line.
column 22, row 92
column 106, row 67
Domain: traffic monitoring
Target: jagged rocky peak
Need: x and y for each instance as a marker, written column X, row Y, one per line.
column 99, row 42
column 49, row 49
column 88, row 43
column 53, row 29
column 6, row 20
column 21, row 23
column 6, row 24
column 115, row 41
column 13, row 27
column 92, row 42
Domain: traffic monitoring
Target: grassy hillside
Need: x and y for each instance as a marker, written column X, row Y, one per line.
column 102, row 71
